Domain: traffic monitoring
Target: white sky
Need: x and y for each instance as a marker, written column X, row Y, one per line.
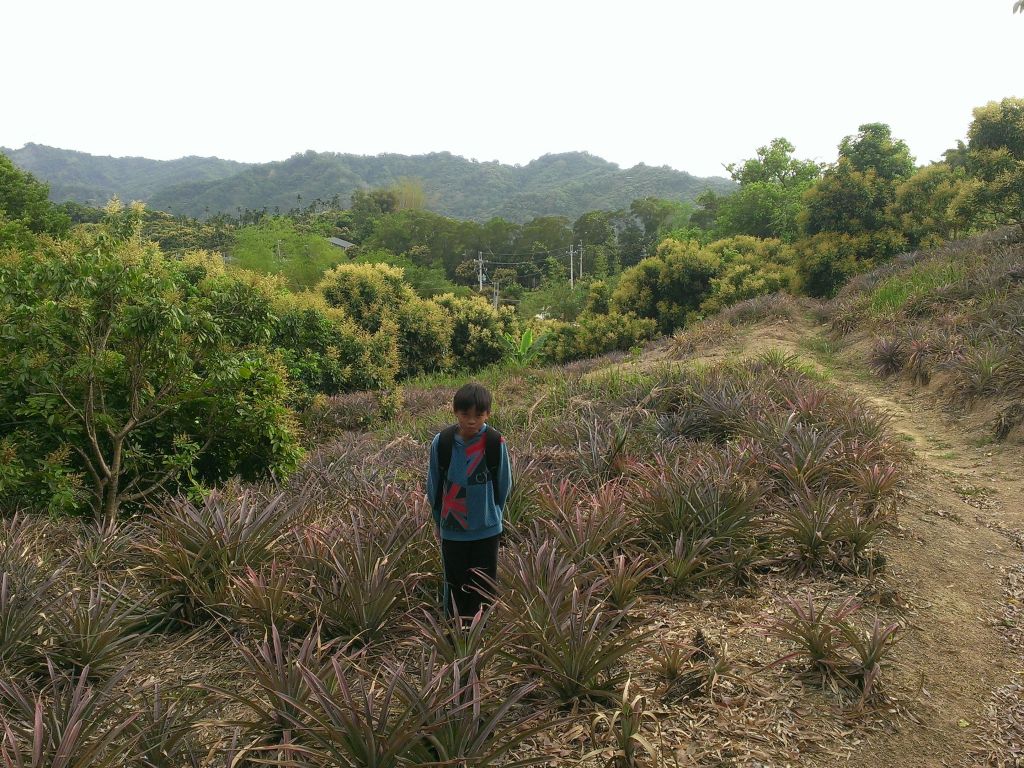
column 691, row 84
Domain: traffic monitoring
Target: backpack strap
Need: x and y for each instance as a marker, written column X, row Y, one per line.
column 492, row 455
column 445, row 443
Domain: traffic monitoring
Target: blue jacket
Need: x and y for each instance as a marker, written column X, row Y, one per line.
column 469, row 509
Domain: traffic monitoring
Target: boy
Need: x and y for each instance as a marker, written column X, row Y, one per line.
column 467, row 483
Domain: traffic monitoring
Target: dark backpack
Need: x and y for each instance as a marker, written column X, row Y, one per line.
column 445, row 444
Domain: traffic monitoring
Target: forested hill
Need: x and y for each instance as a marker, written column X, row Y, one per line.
column 93, row 179
column 567, row 184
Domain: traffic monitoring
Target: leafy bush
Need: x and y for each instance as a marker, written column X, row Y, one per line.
column 751, row 267
column 592, row 335
column 274, row 246
column 667, row 286
column 123, row 384
column 326, row 352
column 827, row 260
column 478, row 330
column 378, row 299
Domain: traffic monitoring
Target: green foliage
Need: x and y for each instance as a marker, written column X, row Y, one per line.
column 848, row 201
column 996, row 156
column 828, row 259
column 769, row 199
column 567, row 184
column 326, row 352
column 477, row 330
column 893, row 294
column 874, row 149
column 523, row 351
column 751, row 267
column 667, row 286
column 123, row 381
column 179, row 235
column 427, row 281
column 377, row 298
column 932, row 204
column 93, row 179
column 25, row 208
column 593, row 335
column 554, row 299
column 276, row 247
column 368, row 293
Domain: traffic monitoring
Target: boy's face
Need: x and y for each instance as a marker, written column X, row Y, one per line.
column 471, row 421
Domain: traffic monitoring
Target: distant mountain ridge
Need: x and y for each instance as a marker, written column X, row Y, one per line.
column 94, row 179
column 567, row 184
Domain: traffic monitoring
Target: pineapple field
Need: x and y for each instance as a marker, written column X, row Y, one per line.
column 790, row 535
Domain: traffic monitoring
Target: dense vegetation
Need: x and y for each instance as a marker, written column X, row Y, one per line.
column 226, row 422
column 92, row 180
column 107, row 411
column 554, row 185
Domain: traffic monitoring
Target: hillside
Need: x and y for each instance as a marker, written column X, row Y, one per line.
column 93, row 179
column 568, row 184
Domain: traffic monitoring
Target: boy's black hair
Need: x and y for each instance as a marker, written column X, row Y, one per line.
column 472, row 396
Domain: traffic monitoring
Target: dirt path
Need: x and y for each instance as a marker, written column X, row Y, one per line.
column 950, row 560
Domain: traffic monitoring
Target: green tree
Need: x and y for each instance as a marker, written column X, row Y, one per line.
column 121, row 383
column 275, row 246
column 326, row 352
column 769, row 198
column 543, row 234
column 929, row 205
column 25, row 207
column 749, row 267
column 995, row 155
column 478, row 330
column 669, row 285
column 874, row 149
column 409, row 194
column 377, row 298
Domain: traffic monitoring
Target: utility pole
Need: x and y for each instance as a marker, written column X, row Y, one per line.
column 571, row 266
column 580, row 273
column 496, row 294
column 480, row 269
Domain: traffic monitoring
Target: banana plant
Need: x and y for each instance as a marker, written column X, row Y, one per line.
column 523, row 351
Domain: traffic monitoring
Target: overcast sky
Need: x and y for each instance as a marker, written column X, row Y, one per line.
column 685, row 83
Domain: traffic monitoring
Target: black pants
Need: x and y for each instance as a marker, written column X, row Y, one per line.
column 470, row 570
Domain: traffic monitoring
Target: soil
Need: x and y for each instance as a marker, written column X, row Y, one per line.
column 958, row 542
